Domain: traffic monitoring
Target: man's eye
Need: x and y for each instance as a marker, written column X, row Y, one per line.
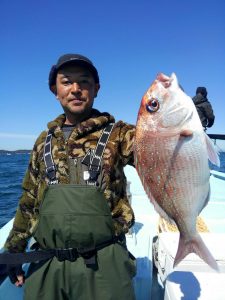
column 66, row 82
column 84, row 81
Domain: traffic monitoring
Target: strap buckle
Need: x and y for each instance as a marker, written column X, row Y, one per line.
column 70, row 254
column 50, row 169
column 51, row 174
column 94, row 173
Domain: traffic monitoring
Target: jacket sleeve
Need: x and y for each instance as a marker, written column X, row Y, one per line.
column 20, row 233
column 126, row 141
column 209, row 114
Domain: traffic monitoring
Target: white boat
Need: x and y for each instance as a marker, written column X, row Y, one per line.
column 156, row 279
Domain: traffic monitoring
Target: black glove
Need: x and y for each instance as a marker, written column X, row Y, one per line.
column 13, row 271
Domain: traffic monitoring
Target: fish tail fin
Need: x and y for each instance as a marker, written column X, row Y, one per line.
column 197, row 246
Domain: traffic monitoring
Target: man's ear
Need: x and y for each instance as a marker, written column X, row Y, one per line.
column 53, row 89
column 97, row 87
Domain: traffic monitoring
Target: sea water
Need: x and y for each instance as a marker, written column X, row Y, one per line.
column 12, row 171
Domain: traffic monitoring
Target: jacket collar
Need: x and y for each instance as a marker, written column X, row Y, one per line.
column 96, row 121
column 199, row 99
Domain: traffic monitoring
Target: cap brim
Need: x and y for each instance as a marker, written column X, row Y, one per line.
column 80, row 62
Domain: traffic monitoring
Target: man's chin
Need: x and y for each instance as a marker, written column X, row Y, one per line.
column 79, row 111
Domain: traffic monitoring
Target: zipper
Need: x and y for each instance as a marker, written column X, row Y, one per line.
column 67, row 159
column 75, row 162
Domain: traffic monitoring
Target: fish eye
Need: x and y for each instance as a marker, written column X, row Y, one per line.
column 152, row 105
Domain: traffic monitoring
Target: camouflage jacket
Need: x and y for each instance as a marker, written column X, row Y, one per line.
column 118, row 153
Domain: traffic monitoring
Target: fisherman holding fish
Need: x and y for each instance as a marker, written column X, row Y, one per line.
column 74, row 202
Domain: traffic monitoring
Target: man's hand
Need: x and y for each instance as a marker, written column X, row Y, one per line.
column 16, row 274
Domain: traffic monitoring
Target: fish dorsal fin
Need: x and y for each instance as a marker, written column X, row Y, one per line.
column 173, row 77
column 212, row 152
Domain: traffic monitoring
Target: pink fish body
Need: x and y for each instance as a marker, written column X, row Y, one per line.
column 171, row 156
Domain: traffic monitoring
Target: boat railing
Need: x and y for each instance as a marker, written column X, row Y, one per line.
column 216, row 136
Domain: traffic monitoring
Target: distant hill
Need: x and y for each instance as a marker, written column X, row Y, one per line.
column 8, row 152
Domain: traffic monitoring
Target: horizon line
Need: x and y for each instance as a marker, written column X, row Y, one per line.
column 17, row 135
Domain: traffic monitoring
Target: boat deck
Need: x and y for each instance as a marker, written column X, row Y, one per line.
column 147, row 282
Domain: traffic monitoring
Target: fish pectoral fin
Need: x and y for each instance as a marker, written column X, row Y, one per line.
column 186, row 132
column 212, row 152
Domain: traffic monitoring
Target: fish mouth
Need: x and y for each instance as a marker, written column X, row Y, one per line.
column 164, row 80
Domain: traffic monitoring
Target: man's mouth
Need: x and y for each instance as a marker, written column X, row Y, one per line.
column 76, row 100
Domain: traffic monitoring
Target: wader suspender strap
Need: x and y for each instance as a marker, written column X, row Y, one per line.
column 93, row 159
column 49, row 163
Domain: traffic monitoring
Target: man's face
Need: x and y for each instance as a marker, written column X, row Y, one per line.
column 76, row 90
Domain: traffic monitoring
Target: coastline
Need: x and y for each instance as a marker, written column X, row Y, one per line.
column 9, row 152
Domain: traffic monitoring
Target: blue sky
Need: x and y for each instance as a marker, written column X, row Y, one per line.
column 128, row 41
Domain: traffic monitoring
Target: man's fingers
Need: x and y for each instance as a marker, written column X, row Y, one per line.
column 20, row 280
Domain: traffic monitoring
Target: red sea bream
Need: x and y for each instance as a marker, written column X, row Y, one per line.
column 171, row 156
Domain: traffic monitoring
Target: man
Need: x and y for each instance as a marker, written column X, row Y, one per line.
column 204, row 108
column 74, row 202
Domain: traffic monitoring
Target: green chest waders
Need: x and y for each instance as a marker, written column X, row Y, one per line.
column 75, row 216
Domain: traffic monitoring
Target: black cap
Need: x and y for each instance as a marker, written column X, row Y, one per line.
column 201, row 90
column 71, row 58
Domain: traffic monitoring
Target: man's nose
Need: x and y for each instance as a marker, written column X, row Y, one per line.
column 75, row 87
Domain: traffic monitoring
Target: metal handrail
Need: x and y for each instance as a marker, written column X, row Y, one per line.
column 216, row 136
